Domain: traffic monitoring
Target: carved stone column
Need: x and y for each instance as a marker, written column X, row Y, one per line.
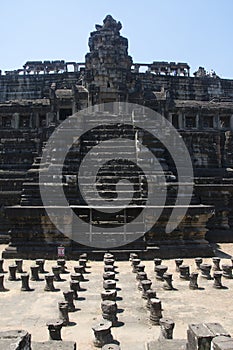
column 102, row 333
column 109, row 284
column 160, row 271
column 178, row 262
column 205, row 271
column 54, row 328
column 135, row 263
column 75, row 287
column 167, row 277
column 227, row 271
column 193, row 280
column 109, row 311
column 63, row 312
column 25, row 282
column 12, row 273
column 35, row 273
column 155, row 311
column 167, row 326
column 216, row 264
column 198, row 262
column 150, row 294
column 217, row 280
column 49, row 287
column 109, row 295
column 184, row 272
column 146, row 285
column 69, row 297
column 56, row 271
column 19, row 263
column 40, row 263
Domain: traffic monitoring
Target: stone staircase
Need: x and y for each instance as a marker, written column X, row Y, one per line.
column 111, row 162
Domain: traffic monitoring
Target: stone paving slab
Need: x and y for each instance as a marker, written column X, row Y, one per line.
column 167, row 345
column 54, row 345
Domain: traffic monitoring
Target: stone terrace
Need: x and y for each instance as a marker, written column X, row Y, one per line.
column 31, row 310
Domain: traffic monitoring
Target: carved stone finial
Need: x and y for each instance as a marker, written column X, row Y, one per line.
column 109, row 23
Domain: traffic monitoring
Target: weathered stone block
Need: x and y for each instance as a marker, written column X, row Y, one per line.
column 222, row 343
column 58, row 345
column 200, row 335
column 15, row 340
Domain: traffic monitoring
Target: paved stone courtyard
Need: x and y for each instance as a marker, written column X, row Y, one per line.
column 31, row 310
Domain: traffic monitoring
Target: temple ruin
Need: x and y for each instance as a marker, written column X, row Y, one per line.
column 34, row 100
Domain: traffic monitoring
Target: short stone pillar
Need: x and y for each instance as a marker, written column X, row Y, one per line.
column 109, row 275
column 109, row 262
column 102, row 333
column 40, row 263
column 83, row 262
column 25, row 282
column 193, row 281
column 141, row 276
column 146, row 285
column 76, row 277
column 178, row 262
column 133, row 256
column 108, row 256
column 69, row 297
column 1, row 266
column 150, row 294
column 56, row 271
column 184, row 272
column 12, row 272
column 227, row 271
column 140, row 268
column 49, row 286
column 216, row 263
column 155, row 311
column 62, row 264
column 160, row 271
column 217, row 275
column 109, row 284
column 63, row 312
column 2, row 288
column 205, row 271
column 109, row 294
column 35, row 273
column 109, row 311
column 80, row 270
column 167, row 277
column 83, row 256
column 157, row 262
column 135, row 263
column 54, row 327
column 198, row 262
column 19, row 263
column 167, row 326
column 111, row 347
column 75, row 287
column 109, row 268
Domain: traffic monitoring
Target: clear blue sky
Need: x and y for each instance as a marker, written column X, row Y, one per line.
column 199, row 32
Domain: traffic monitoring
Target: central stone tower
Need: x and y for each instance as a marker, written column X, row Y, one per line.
column 108, row 65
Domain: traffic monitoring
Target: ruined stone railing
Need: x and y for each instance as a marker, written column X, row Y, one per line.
column 163, row 68
column 46, row 67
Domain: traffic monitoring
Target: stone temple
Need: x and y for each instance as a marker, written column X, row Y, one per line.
column 34, row 100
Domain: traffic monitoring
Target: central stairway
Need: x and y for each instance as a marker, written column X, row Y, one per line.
column 117, row 178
